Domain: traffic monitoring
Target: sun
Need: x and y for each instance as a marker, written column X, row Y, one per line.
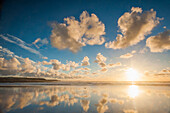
column 132, row 74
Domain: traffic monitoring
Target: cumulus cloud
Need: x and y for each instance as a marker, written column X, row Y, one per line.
column 134, row 26
column 104, row 70
column 46, row 63
column 8, row 67
column 25, row 67
column 56, row 69
column 160, row 42
column 74, row 34
column 164, row 27
column 101, row 61
column 18, row 66
column 15, row 65
column 102, row 64
column 56, row 64
column 65, row 67
column 61, row 39
column 85, row 61
column 85, row 69
column 100, row 58
column 72, row 64
column 28, row 66
column 11, row 64
column 82, row 71
column 128, row 55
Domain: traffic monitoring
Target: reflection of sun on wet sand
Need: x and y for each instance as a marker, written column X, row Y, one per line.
column 133, row 91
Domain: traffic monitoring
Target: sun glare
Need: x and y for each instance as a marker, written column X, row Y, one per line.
column 133, row 91
column 132, row 74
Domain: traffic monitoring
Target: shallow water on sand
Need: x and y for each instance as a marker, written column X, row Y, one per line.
column 85, row 98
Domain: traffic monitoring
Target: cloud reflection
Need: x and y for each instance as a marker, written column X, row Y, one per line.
column 101, row 106
column 84, row 99
column 85, row 104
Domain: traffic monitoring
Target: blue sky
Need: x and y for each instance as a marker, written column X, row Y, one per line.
column 29, row 20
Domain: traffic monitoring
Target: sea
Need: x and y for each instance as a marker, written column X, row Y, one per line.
column 85, row 97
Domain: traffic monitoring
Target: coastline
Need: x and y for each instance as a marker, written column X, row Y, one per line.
column 24, row 79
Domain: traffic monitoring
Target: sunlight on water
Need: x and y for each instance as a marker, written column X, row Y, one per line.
column 133, row 91
column 85, row 99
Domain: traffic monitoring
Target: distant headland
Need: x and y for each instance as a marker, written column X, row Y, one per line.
column 24, row 79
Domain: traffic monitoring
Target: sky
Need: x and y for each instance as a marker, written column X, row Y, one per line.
column 85, row 39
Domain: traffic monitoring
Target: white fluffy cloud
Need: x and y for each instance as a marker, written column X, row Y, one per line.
column 62, row 40
column 56, row 64
column 72, row 64
column 134, row 26
column 74, row 34
column 13, row 66
column 18, row 66
column 160, row 42
column 100, row 58
column 85, row 61
column 46, row 63
column 27, row 66
column 8, row 67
